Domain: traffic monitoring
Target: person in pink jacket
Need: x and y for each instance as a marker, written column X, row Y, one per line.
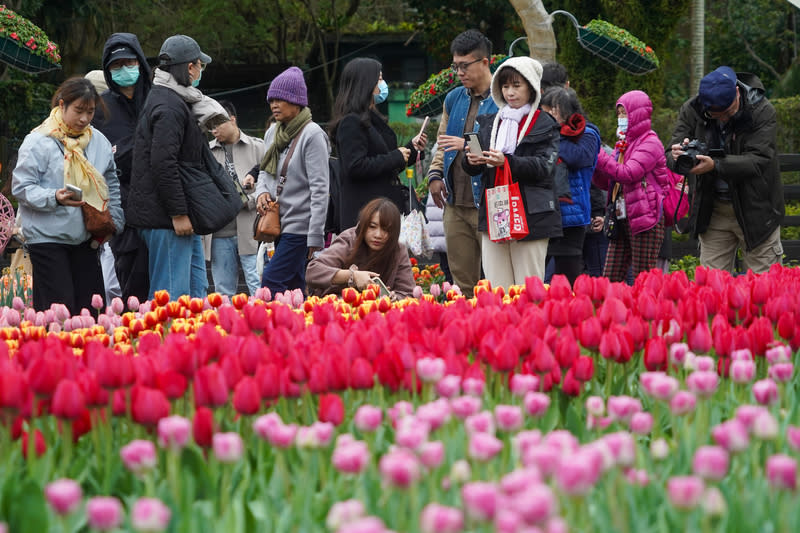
column 634, row 176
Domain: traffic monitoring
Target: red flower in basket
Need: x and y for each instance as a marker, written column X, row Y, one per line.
column 14, row 36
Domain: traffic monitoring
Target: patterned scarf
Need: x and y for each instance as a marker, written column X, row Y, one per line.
column 78, row 170
column 284, row 133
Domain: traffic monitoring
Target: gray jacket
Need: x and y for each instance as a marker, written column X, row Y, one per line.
column 304, row 200
column 40, row 173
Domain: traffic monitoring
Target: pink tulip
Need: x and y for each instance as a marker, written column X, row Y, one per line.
column 743, row 354
column 482, row 422
column 483, row 446
column 368, row 418
column 465, row 406
column 525, row 440
column 636, row 477
column 174, row 432
column 399, row 468
column 228, row 447
column 597, row 423
column 682, row 403
column 480, row 500
column 710, row 462
column 742, row 371
column 622, row 447
column 369, row 524
column 508, row 417
column 264, row 424
column 659, row 449
column 104, row 513
column 641, row 423
column 781, row 372
column 460, row 471
column 659, row 385
column 546, row 458
column 343, row 513
column 793, row 437
column 430, row 369
column 97, row 301
column 133, row 303
column 622, row 408
column 765, row 391
column 595, row 406
column 705, row 363
column 517, row 480
column 714, row 502
column 521, row 384
column 677, row 353
column 685, row 492
column 150, row 515
column 399, row 410
column 322, row 433
column 431, row 454
column 731, row 435
column 350, row 457
column 449, row 386
column 139, row 456
column 578, row 474
column 473, row 387
column 779, row 354
column 535, row 504
column 417, row 292
column 702, row 383
column 536, row 404
column 411, row 432
column 63, row 495
column 562, row 440
column 765, row 427
column 435, row 413
column 282, row 435
column 507, row 521
column 782, row 472
column 437, row 518
column 746, row 414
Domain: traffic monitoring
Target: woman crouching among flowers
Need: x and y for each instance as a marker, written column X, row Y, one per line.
column 365, row 251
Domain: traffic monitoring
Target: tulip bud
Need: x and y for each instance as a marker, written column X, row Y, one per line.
column 174, row 432
column 685, row 492
column 228, row 447
column 150, row 515
column 782, row 472
column 104, row 513
column 139, row 456
column 659, row 449
column 63, row 495
column 437, row 518
column 345, row 512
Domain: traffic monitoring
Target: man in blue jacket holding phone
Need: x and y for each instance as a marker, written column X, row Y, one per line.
column 448, row 183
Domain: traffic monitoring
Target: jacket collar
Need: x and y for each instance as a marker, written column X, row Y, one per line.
column 243, row 139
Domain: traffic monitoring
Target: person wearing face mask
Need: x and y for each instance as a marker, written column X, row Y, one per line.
column 365, row 144
column 128, row 78
column 169, row 132
column 634, row 176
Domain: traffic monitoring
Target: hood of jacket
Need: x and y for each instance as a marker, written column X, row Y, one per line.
column 145, row 74
column 530, row 69
column 639, row 109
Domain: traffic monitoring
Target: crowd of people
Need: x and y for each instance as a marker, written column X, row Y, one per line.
column 104, row 206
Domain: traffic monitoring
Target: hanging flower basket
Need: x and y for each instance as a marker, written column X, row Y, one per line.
column 428, row 98
column 614, row 44
column 24, row 46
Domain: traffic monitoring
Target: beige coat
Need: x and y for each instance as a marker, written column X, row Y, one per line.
column 247, row 153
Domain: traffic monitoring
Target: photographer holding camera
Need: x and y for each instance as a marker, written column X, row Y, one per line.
column 725, row 137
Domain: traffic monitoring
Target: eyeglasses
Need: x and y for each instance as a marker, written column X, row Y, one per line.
column 455, row 67
column 202, row 65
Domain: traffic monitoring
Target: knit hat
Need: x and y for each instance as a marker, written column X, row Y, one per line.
column 530, row 69
column 718, row 89
column 120, row 52
column 181, row 49
column 289, row 86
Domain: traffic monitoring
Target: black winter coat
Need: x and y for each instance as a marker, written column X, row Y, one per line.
column 119, row 123
column 532, row 165
column 166, row 135
column 750, row 166
column 369, row 162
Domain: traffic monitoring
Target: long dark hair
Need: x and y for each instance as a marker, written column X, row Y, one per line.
column 78, row 88
column 356, row 86
column 565, row 100
column 383, row 261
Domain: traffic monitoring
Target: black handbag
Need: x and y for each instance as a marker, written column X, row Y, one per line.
column 611, row 223
column 211, row 196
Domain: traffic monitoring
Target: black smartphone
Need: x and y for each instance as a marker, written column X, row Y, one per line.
column 474, row 143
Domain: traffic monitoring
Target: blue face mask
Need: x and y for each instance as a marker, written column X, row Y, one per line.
column 196, row 82
column 622, row 123
column 382, row 94
column 125, row 76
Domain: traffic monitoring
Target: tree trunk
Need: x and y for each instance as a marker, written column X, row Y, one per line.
column 538, row 28
column 698, row 68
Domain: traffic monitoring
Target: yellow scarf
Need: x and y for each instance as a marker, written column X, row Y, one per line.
column 78, row 170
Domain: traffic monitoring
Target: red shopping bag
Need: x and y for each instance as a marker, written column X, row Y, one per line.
column 519, row 222
column 505, row 211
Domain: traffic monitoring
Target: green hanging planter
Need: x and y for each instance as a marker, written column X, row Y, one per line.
column 24, row 46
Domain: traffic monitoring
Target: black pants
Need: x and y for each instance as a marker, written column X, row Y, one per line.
column 65, row 273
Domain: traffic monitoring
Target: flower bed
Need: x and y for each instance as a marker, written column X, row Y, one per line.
column 24, row 45
column 670, row 406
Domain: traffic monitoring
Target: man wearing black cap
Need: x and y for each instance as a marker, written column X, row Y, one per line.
column 738, row 195
column 127, row 75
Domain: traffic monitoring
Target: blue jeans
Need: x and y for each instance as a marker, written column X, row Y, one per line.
column 176, row 263
column 225, row 267
column 287, row 268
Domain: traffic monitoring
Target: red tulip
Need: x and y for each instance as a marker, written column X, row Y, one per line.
column 580, row 309
column 761, row 335
column 144, row 367
column 94, row 394
column 361, row 374
column 647, row 305
column 250, row 353
column 203, row 427
column 44, row 375
column 113, row 370
column 534, row 289
column 246, row 396
column 557, row 312
column 172, row 383
column 13, row 389
column 571, row 385
column 318, row 378
column 560, row 288
column 40, row 446
column 699, row 338
column 590, row 333
column 289, row 388
column 119, row 402
column 655, row 354
column 583, row 368
column 613, row 311
column 331, row 409
column 269, row 381
column 567, row 350
column 231, row 369
column 210, row 388
column 389, row 369
column 68, row 400
column 787, row 325
column 148, row 406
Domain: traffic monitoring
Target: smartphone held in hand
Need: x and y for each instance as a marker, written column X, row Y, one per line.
column 77, row 193
column 474, row 143
column 384, row 290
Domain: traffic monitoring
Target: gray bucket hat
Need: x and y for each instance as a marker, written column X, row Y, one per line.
column 181, row 49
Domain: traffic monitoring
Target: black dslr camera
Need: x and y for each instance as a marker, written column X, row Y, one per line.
column 686, row 162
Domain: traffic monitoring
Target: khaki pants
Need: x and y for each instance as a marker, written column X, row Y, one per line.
column 719, row 243
column 463, row 246
column 509, row 263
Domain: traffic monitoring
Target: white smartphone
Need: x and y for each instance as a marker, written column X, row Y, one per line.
column 384, row 290
column 474, row 143
column 424, row 125
column 77, row 193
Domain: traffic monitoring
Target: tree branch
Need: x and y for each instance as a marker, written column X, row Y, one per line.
column 747, row 46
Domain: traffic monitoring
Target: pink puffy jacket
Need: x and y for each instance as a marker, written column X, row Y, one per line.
column 643, row 172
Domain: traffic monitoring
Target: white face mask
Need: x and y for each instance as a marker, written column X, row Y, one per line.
column 622, row 126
